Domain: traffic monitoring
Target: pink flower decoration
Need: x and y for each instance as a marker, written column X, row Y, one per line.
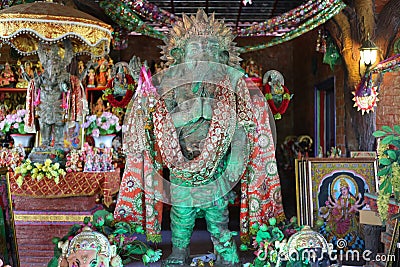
column 106, row 125
column 96, row 132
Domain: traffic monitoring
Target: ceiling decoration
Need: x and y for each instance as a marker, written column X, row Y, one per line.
column 284, row 20
column 148, row 19
column 234, row 12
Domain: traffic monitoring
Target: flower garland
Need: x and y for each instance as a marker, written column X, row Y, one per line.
column 284, row 105
column 108, row 93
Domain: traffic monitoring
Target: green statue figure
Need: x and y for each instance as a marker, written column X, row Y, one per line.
column 199, row 120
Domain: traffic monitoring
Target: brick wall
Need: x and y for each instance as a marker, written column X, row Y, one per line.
column 388, row 109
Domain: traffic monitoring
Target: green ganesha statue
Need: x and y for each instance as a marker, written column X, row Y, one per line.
column 194, row 132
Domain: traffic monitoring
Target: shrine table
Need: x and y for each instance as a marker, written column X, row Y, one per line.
column 71, row 185
column 44, row 209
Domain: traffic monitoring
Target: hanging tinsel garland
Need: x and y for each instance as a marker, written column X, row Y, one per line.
column 388, row 65
column 289, row 19
column 125, row 17
column 300, row 20
column 152, row 12
column 120, row 38
column 307, row 26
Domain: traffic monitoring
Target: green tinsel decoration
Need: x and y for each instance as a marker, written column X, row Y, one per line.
column 125, row 17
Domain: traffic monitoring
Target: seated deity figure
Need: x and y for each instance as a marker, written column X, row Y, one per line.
column 209, row 130
column 7, row 75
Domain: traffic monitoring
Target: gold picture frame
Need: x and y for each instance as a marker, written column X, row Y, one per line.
column 330, row 194
column 304, row 214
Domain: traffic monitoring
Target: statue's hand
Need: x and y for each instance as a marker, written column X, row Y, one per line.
column 233, row 171
column 135, row 66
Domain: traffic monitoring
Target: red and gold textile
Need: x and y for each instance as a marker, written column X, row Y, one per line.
column 141, row 189
column 260, row 186
column 72, row 184
column 138, row 200
column 75, row 108
column 76, row 100
column 30, row 107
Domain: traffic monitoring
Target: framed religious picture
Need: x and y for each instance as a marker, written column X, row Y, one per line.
column 335, row 196
column 8, row 244
column 73, row 136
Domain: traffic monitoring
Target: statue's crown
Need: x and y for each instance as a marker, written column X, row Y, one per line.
column 203, row 26
column 90, row 240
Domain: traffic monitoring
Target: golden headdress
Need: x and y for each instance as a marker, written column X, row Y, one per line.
column 90, row 240
column 200, row 25
column 343, row 183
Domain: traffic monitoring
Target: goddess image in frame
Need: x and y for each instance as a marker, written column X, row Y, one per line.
column 340, row 197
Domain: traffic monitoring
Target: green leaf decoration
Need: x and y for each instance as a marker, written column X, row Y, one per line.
column 379, row 134
column 397, row 128
column 120, row 231
column 387, row 129
column 392, row 154
column 389, row 188
column 135, row 249
column 383, row 185
column 385, row 161
column 100, row 214
column 53, row 262
column 6, row 128
column 121, row 234
column 387, row 139
column 384, row 171
column 125, row 226
column 86, row 220
column 21, row 128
